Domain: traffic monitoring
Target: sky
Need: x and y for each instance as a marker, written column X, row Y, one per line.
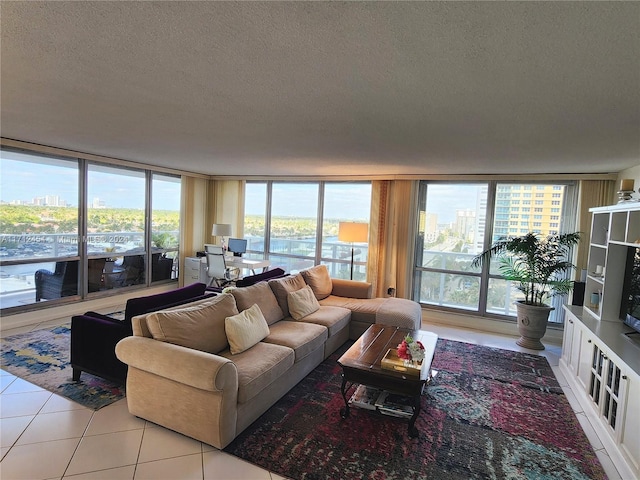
column 342, row 200
column 22, row 179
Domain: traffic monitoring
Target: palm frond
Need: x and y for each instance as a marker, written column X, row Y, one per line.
column 538, row 266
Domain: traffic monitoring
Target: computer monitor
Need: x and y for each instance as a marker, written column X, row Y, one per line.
column 238, row 246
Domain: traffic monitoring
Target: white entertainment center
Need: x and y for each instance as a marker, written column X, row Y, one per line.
column 600, row 358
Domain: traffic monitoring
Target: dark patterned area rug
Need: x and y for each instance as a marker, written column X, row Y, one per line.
column 488, row 413
column 42, row 358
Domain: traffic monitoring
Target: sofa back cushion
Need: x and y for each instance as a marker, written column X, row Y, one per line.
column 282, row 286
column 200, row 326
column 319, row 280
column 302, row 302
column 150, row 303
column 262, row 295
column 245, row 329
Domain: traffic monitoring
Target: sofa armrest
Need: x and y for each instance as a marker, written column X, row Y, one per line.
column 184, row 365
column 350, row 288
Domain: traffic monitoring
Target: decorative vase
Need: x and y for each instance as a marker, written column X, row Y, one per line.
column 532, row 324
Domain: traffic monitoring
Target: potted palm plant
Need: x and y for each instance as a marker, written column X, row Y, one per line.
column 539, row 268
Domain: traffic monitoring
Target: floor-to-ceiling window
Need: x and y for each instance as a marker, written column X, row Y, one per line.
column 116, row 247
column 72, row 228
column 165, row 226
column 345, row 202
column 39, row 240
column 459, row 220
column 295, row 224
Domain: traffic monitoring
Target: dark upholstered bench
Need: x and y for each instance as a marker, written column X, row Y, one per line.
column 94, row 335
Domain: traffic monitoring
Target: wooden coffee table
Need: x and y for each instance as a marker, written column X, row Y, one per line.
column 362, row 364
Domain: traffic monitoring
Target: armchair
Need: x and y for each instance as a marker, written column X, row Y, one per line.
column 63, row 282
column 160, row 267
column 94, row 335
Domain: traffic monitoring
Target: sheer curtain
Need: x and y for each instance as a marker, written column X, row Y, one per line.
column 391, row 236
column 193, row 217
column 226, row 199
column 592, row 193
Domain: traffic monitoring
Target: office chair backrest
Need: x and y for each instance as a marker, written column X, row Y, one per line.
column 215, row 249
column 216, row 267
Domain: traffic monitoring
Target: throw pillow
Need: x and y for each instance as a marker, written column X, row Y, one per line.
column 319, row 280
column 282, row 286
column 245, row 329
column 302, row 302
column 201, row 327
column 261, row 294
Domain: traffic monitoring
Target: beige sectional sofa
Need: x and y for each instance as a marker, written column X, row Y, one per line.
column 210, row 368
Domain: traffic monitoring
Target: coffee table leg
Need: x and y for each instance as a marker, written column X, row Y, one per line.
column 413, row 431
column 344, row 412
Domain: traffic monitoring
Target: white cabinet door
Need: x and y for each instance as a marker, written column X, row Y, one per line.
column 567, row 342
column 585, row 359
column 629, row 437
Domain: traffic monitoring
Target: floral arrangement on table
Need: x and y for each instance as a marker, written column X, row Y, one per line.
column 411, row 350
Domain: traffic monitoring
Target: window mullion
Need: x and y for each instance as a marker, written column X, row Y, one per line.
column 320, row 223
column 82, row 226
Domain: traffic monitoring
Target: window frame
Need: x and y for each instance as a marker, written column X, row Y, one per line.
column 82, row 256
column 493, row 205
column 318, row 257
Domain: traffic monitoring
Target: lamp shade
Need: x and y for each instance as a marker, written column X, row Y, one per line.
column 221, row 230
column 354, row 232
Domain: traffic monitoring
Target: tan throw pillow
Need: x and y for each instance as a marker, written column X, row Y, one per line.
column 302, row 303
column 201, row 327
column 245, row 329
column 261, row 294
column 282, row 286
column 319, row 280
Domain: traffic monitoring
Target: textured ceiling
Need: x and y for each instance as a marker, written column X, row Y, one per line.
column 328, row 88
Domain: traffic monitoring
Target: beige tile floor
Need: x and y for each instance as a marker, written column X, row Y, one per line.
column 45, row 436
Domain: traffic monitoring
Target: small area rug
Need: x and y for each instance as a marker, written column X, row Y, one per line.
column 42, row 358
column 488, row 413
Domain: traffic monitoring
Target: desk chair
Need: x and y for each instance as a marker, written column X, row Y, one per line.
column 217, row 270
column 215, row 249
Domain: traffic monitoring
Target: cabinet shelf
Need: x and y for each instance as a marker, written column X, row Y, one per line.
column 614, row 230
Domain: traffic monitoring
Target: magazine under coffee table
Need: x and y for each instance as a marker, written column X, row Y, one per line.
column 362, row 364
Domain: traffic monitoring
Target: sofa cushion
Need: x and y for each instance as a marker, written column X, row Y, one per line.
column 245, row 329
column 302, row 302
column 319, row 280
column 260, row 294
column 282, row 286
column 302, row 337
column 362, row 310
column 260, row 366
column 333, row 318
column 201, row 326
column 400, row 312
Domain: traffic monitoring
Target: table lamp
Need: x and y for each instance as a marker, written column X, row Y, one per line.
column 354, row 232
column 221, row 230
